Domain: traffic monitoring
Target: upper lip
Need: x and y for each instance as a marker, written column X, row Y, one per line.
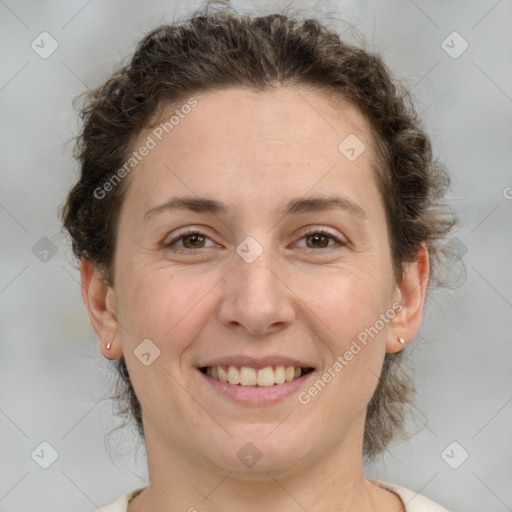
column 256, row 362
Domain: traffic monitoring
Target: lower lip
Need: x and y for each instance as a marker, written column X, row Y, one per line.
column 256, row 395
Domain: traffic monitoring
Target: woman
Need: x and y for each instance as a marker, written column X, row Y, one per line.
column 257, row 219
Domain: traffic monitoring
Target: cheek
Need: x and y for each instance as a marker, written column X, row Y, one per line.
column 353, row 341
column 163, row 305
column 346, row 300
column 348, row 308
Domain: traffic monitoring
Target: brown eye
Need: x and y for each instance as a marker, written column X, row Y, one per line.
column 318, row 240
column 190, row 240
column 193, row 241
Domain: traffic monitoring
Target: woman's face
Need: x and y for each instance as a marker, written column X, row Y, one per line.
column 254, row 235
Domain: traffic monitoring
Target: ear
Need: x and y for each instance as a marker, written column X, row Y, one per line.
column 99, row 299
column 410, row 294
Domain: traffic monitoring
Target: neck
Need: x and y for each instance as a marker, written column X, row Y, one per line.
column 333, row 482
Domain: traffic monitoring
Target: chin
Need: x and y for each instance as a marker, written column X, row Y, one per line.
column 258, row 449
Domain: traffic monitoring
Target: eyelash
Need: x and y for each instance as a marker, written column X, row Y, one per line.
column 191, row 231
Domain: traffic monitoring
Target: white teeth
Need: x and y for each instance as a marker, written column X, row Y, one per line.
column 265, row 376
column 233, row 375
column 279, row 375
column 223, row 374
column 247, row 376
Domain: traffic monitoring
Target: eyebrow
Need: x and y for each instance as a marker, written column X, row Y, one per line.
column 293, row 207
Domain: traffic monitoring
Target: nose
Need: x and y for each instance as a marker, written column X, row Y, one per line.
column 256, row 298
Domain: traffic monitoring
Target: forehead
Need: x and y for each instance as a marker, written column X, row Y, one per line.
column 251, row 137
column 285, row 115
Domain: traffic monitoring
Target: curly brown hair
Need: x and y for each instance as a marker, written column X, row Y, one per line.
column 221, row 49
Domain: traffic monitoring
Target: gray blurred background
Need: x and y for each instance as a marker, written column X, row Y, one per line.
column 53, row 380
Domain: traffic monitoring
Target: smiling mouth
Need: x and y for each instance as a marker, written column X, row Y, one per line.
column 247, row 376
